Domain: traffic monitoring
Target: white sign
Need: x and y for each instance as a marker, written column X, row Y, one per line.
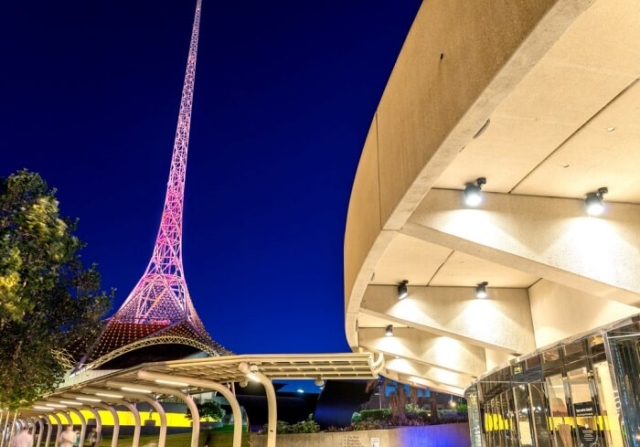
column 375, row 442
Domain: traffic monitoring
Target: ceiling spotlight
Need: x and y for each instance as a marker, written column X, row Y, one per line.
column 594, row 203
column 481, row 290
column 319, row 381
column 402, row 289
column 389, row 331
column 472, row 196
column 243, row 384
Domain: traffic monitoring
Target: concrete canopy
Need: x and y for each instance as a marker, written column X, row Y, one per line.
column 541, row 99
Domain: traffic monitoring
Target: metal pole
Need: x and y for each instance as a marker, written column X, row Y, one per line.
column 195, row 434
column 4, row 413
column 13, row 425
column 49, row 430
column 96, row 416
column 59, row 430
column 271, row 401
column 136, row 417
column 116, row 422
column 83, row 425
column 230, row 396
column 41, row 429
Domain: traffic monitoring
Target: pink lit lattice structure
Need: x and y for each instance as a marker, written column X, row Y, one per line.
column 159, row 310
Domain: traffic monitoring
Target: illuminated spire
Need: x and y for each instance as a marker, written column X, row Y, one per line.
column 159, row 309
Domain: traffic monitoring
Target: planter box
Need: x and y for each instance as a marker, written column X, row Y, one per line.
column 445, row 435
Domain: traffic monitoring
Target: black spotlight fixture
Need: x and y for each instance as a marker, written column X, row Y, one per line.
column 402, row 289
column 594, row 203
column 389, row 331
column 481, row 290
column 472, row 195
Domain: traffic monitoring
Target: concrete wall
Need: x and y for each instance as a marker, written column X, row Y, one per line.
column 446, row 435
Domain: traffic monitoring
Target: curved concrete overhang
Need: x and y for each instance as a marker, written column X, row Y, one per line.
column 541, row 98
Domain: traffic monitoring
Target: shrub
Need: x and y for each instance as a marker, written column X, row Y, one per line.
column 283, row 428
column 308, row 426
column 367, row 425
column 383, row 414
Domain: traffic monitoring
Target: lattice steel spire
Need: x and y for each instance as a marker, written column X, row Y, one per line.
column 160, row 306
column 162, row 293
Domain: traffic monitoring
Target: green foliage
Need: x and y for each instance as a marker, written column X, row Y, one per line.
column 367, row 425
column 209, row 411
column 48, row 299
column 414, row 415
column 383, row 414
column 283, row 428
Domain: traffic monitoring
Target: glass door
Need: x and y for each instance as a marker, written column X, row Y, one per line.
column 589, row 422
column 561, row 423
column 625, row 358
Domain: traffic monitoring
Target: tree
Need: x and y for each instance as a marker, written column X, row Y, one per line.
column 210, row 410
column 48, row 300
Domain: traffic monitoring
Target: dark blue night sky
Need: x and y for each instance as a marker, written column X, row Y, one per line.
column 285, row 93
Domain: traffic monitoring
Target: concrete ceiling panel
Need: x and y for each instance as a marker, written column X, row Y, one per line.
column 463, row 270
column 606, row 38
column 502, row 322
column 606, row 152
column 427, row 349
column 411, row 259
column 551, row 103
column 438, row 375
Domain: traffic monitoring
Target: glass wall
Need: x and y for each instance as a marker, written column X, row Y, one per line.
column 580, row 393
